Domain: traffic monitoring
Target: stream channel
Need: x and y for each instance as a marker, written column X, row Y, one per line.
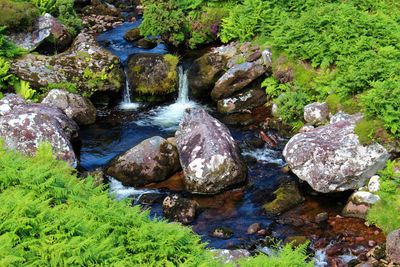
column 124, row 126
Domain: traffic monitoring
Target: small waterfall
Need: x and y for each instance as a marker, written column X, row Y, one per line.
column 169, row 116
column 126, row 97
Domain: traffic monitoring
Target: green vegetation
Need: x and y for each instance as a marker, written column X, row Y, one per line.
column 385, row 214
column 17, row 16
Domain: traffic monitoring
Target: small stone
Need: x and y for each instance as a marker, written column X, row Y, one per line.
column 262, row 232
column 376, row 232
column 360, row 238
column 176, row 208
column 222, row 233
column 374, row 184
column 371, row 243
column 296, row 240
column 335, row 250
column 253, row 228
column 321, row 217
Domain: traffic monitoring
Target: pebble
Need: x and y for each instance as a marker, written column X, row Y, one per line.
column 262, row 232
column 321, row 217
column 360, row 239
column 376, row 232
column 253, row 228
column 335, row 250
column 372, row 243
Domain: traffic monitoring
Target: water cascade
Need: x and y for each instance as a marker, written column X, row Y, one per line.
column 126, row 102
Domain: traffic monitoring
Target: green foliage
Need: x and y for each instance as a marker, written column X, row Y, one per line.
column 333, row 101
column 51, row 218
column 368, row 131
column 23, row 88
column 273, row 88
column 385, row 214
column 45, row 6
column 17, row 16
column 285, row 256
column 4, row 75
column 383, row 102
column 64, row 11
column 67, row 86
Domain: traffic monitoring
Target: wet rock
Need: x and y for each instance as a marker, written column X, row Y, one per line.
column 9, row 101
column 221, row 233
column 227, row 51
column 378, row 252
column 296, row 240
column 86, row 64
column 179, row 209
column 204, row 72
column 287, row 196
column 238, row 119
column 359, row 203
column 69, row 127
column 47, row 31
column 316, row 113
column 321, row 217
column 243, row 101
column 335, row 250
column 24, row 131
column 393, row 246
column 255, row 142
column 331, row 159
column 353, row 263
column 146, row 43
column 98, row 8
column 209, row 156
column 133, row 35
column 152, row 74
column 95, row 24
column 253, row 228
column 76, row 107
column 151, row 199
column 153, row 160
column 344, row 117
column 284, row 128
column 236, row 79
column 231, row 256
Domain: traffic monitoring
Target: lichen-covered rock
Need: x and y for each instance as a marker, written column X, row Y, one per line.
column 306, row 128
column 374, row 184
column 231, row 256
column 10, row 101
column 86, row 63
column 316, row 113
column 24, row 131
column 133, row 35
column 153, row 160
column 359, row 203
column 393, row 246
column 152, row 74
column 47, row 31
column 331, row 159
column 179, row 209
column 204, row 72
column 76, row 107
column 236, row 79
column 243, row 101
column 267, row 57
column 55, row 114
column 287, row 196
column 341, row 116
column 209, row 156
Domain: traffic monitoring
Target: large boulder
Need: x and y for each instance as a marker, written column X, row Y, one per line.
column 152, row 74
column 47, row 31
column 153, row 160
column 86, row 64
column 10, row 101
column 331, row 159
column 24, row 131
column 393, row 246
column 76, row 107
column 236, row 79
column 209, row 156
column 243, row 101
column 204, row 72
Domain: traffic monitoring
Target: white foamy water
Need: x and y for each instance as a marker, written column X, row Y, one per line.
column 126, row 102
column 265, row 154
column 120, row 191
column 169, row 116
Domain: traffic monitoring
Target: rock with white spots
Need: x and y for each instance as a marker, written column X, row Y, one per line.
column 76, row 107
column 243, row 101
column 316, row 113
column 374, row 184
column 331, row 159
column 267, row 57
column 209, row 156
column 10, row 101
column 393, row 246
column 236, row 79
column 359, row 203
column 24, row 131
column 153, row 160
column 306, row 128
column 231, row 256
column 176, row 208
column 352, row 118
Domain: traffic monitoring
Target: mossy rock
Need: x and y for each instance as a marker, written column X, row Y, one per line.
column 152, row 74
column 287, row 196
column 17, row 16
column 133, row 35
column 146, row 43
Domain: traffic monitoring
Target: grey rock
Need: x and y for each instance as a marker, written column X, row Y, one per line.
column 359, row 203
column 8, row 102
column 393, row 246
column 243, row 101
column 341, row 116
column 209, row 156
column 76, row 107
column 316, row 113
column 179, row 209
column 231, row 256
column 331, row 159
column 153, row 160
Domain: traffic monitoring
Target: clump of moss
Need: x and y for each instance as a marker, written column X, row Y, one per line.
column 333, row 102
column 17, row 16
column 370, row 131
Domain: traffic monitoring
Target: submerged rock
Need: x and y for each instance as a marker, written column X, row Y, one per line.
column 236, row 79
column 152, row 74
column 209, row 156
column 47, row 31
column 287, row 196
column 204, row 72
column 153, row 160
column 331, row 159
column 222, row 233
column 86, row 64
column 24, row 131
column 179, row 209
column 133, row 35
column 76, row 107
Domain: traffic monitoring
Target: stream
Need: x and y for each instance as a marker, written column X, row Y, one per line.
column 122, row 127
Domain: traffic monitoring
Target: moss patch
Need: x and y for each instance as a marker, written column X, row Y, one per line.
column 17, row 16
column 287, row 197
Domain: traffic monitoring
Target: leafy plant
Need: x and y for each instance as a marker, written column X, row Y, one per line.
column 273, row 88
column 67, row 86
column 23, row 88
column 45, row 6
column 8, row 49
